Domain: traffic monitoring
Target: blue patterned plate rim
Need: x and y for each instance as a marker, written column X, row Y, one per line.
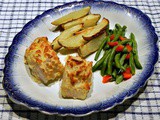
column 21, row 99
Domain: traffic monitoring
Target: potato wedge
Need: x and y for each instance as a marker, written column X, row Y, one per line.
column 75, row 41
column 83, row 31
column 88, row 21
column 72, row 16
column 64, row 35
column 91, row 46
column 98, row 30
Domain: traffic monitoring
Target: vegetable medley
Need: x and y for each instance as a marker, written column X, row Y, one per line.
column 120, row 58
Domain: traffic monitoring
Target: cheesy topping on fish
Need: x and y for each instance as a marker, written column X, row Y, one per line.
column 76, row 81
column 43, row 61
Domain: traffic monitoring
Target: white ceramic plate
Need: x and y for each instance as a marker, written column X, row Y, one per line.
column 23, row 90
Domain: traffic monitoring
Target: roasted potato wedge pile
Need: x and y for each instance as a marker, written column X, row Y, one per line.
column 81, row 31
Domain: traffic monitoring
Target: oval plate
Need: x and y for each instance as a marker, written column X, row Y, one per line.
column 22, row 90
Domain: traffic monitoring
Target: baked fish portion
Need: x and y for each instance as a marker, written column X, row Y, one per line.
column 76, row 81
column 43, row 61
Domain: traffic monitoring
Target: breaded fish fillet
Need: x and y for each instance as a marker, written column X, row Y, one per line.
column 76, row 79
column 43, row 61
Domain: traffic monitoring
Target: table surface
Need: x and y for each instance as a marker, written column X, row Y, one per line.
column 16, row 13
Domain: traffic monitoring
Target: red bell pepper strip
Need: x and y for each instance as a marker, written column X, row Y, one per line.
column 128, row 70
column 112, row 37
column 122, row 38
column 112, row 44
column 129, row 48
column 128, row 56
column 127, row 75
column 119, row 48
column 106, row 78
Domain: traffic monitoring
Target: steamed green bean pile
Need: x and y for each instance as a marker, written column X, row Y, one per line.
column 120, row 58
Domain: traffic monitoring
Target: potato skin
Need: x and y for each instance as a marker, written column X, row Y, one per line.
column 87, row 21
column 98, row 30
column 91, row 46
column 72, row 16
column 75, row 41
column 64, row 35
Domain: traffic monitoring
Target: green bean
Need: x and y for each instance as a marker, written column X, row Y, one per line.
column 124, row 42
column 106, row 47
column 123, row 34
column 104, row 66
column 131, row 64
column 119, row 79
column 136, row 61
column 116, row 36
column 134, row 43
column 123, row 59
column 114, row 74
column 100, row 48
column 124, row 31
column 135, row 52
column 125, row 65
column 114, row 31
column 124, row 28
column 110, row 61
column 98, row 68
column 118, row 27
column 117, row 61
column 98, row 63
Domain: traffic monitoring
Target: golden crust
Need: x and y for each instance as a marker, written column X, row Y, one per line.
column 76, row 80
column 43, row 61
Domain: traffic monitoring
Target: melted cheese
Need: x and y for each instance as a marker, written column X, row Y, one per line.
column 76, row 80
column 43, row 61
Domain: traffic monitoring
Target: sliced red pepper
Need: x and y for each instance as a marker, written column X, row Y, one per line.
column 106, row 78
column 119, row 48
column 128, row 56
column 122, row 38
column 128, row 70
column 129, row 48
column 112, row 44
column 127, row 75
column 112, row 37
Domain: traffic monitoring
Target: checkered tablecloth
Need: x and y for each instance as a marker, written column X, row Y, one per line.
column 14, row 14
